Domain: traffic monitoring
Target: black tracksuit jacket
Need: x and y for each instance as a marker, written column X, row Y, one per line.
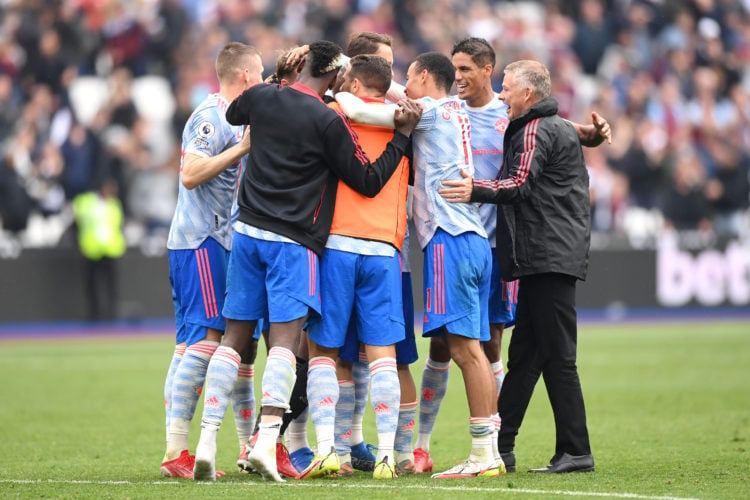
column 299, row 149
column 543, row 216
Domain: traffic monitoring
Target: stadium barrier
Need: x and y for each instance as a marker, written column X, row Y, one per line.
column 47, row 284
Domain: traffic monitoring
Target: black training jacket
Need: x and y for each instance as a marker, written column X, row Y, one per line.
column 299, row 149
column 543, row 216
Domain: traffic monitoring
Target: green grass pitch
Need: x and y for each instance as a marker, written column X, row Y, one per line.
column 668, row 411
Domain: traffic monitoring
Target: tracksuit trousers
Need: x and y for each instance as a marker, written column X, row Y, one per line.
column 544, row 343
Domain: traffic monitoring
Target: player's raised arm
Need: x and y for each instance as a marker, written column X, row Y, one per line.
column 595, row 133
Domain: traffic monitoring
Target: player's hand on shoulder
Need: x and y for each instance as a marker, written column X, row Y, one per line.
column 407, row 115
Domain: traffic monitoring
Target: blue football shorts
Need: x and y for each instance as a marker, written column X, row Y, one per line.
column 456, row 277
column 406, row 350
column 198, row 278
column 503, row 296
column 365, row 288
column 270, row 279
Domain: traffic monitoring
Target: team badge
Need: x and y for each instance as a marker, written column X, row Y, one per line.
column 501, row 125
column 206, row 129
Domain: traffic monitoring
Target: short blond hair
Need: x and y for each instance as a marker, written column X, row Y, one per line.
column 232, row 58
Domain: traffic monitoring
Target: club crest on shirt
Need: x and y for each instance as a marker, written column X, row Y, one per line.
column 206, row 129
column 501, row 125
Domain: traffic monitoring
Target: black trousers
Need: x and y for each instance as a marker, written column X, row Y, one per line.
column 100, row 284
column 544, row 343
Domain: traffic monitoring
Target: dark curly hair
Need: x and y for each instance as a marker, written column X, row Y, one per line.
column 324, row 57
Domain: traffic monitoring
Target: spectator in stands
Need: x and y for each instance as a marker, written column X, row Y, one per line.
column 15, row 202
column 644, row 164
column 48, row 63
column 693, row 84
column 593, row 34
column 122, row 110
column 9, row 109
column 727, row 190
column 124, row 38
column 684, row 205
column 82, row 157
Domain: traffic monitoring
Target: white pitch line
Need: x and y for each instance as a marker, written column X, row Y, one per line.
column 524, row 491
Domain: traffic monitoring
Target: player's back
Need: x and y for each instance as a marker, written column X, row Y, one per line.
column 287, row 176
column 294, row 118
column 289, row 187
column 382, row 217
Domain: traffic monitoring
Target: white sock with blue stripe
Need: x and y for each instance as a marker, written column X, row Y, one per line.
column 385, row 395
column 243, row 403
column 434, row 386
column 179, row 351
column 186, row 390
column 361, row 376
column 322, row 397
column 343, row 422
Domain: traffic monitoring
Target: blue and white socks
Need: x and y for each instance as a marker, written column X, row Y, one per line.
column 322, row 397
column 434, row 387
column 187, row 386
column 499, row 373
column 385, row 395
column 361, row 376
column 179, row 351
column 481, row 430
column 220, row 379
column 344, row 415
column 405, row 433
column 243, row 403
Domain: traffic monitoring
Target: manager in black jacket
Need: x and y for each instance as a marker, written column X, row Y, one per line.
column 543, row 233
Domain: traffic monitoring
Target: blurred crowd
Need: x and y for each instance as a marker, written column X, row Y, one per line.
column 93, row 91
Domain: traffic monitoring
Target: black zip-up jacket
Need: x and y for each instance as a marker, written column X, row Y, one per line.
column 543, row 216
column 299, row 149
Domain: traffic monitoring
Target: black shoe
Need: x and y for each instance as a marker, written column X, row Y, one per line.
column 509, row 459
column 568, row 463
